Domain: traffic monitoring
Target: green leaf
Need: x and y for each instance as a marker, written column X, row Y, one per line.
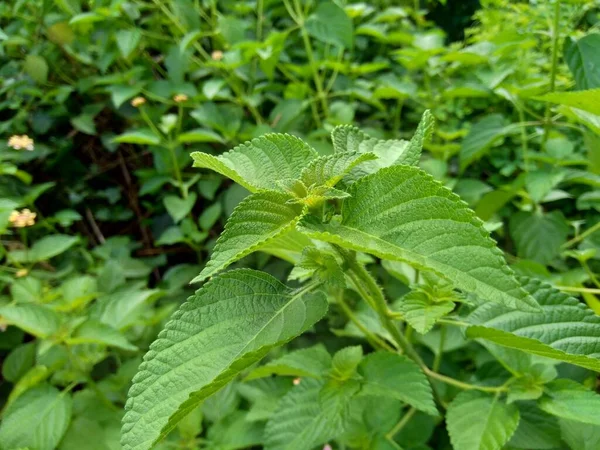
column 588, row 100
column 423, row 134
column 142, row 136
column 18, row 362
column 255, row 222
column 94, row 332
column 345, row 362
column 228, row 325
column 570, row 400
column 259, row 163
column 177, row 207
column 51, row 246
column 580, row 436
column 536, row 430
column 38, row 320
column 421, row 312
column 583, row 59
column 480, row 421
column 307, row 362
column 481, row 137
column 402, row 214
column 120, row 94
column 299, row 423
column 565, row 329
column 199, row 135
column 128, row 40
column 38, row 419
column 539, row 236
column 329, row 170
column 210, row 215
column 330, row 24
column 395, row 376
column 37, row 68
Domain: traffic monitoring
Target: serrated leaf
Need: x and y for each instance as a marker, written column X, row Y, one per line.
column 480, row 421
column 565, row 329
column 299, row 423
column 345, row 362
column 38, row 320
column 588, row 100
column 257, row 220
column 539, row 236
column 307, row 362
column 582, row 58
column 580, row 436
column 421, row 312
column 330, row 24
column 412, row 154
column 259, row 163
column 329, row 170
column 401, row 213
column 570, row 400
column 37, row 419
column 228, row 325
column 536, row 430
column 482, row 135
column 395, row 376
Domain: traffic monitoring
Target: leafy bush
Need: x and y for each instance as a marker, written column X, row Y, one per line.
column 384, row 313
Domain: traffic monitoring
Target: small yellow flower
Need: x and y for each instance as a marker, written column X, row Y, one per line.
column 217, row 55
column 21, row 273
column 180, row 98
column 23, row 142
column 138, row 101
column 297, row 381
column 25, row 218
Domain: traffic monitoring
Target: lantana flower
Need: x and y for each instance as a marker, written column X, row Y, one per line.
column 217, row 55
column 138, row 101
column 180, row 98
column 23, row 142
column 24, row 218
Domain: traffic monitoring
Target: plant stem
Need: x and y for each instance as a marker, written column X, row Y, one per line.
column 578, row 289
column 581, row 236
column 176, row 169
column 555, row 36
column 463, row 385
column 438, row 356
column 524, row 148
column 401, row 424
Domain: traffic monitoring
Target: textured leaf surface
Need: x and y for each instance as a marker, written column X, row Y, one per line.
column 37, row 419
column 539, row 236
column 580, row 436
column 307, row 362
column 570, row 400
column 565, row 329
column 536, row 430
column 479, row 421
column 258, row 219
column 259, row 163
column 395, row 376
column 424, row 131
column 422, row 313
column 401, row 213
column 329, row 170
column 229, row 324
column 481, row 137
column 583, row 59
column 299, row 423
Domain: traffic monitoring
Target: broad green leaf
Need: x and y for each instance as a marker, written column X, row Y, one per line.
column 38, row 419
column 37, row 68
column 259, row 163
column 51, row 246
column 345, row 362
column 580, row 436
column 38, row 320
column 199, row 135
column 395, row 376
column 539, row 236
column 536, row 430
column 120, row 94
column 583, row 59
column 94, row 332
column 588, row 100
column 329, row 170
column 330, row 24
column 18, row 362
column 142, row 136
column 256, row 221
column 401, row 213
column 177, row 207
column 481, row 137
column 570, row 400
column 423, row 134
column 307, row 362
column 123, row 307
column 128, row 40
column 210, row 215
column 421, row 312
column 299, row 423
column 235, row 432
column 565, row 329
column 228, row 325
column 480, row 421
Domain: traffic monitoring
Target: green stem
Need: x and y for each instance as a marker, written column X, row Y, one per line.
column 581, row 236
column 578, row 289
column 176, row 169
column 555, row 36
column 590, row 273
column 524, row 148
column 463, row 385
column 437, row 361
column 401, row 424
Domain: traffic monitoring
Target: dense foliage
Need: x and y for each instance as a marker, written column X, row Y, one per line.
column 387, row 312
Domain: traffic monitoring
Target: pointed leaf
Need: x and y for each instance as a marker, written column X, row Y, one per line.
column 177, row 207
column 307, row 362
column 142, row 136
column 480, row 421
column 259, row 163
column 395, row 376
column 38, row 320
column 580, row 436
column 330, row 24
column 566, row 329
column 582, row 58
column 421, row 312
column 228, row 325
column 256, row 221
column 329, row 170
column 588, row 100
column 401, row 213
column 482, row 135
column 570, row 400
column 539, row 236
column 424, row 131
column 96, row 332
